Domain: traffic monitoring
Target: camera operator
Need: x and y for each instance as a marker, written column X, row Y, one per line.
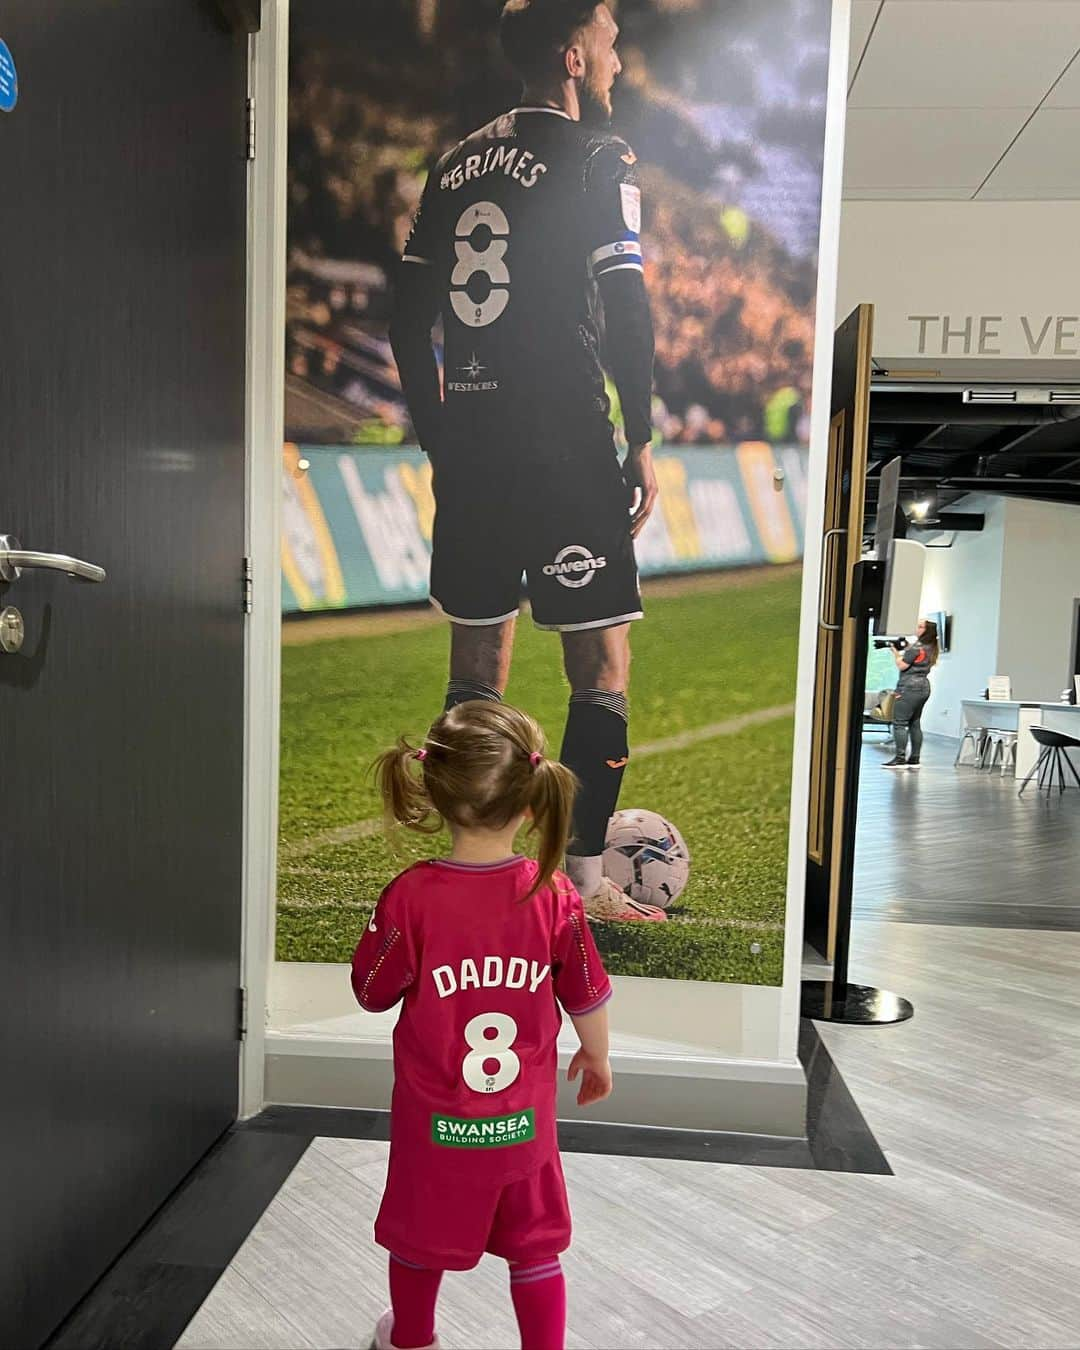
column 914, row 663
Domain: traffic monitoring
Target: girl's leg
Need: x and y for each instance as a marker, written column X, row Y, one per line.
column 413, row 1293
column 539, row 1293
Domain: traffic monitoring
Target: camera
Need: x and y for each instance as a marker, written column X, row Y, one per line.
column 897, row 644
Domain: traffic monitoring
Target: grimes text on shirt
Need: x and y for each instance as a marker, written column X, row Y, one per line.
column 519, row 165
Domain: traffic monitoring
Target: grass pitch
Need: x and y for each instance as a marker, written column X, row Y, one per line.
column 704, row 656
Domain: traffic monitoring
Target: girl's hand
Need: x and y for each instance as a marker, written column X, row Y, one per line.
column 596, row 1077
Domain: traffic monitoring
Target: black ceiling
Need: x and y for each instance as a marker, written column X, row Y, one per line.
column 950, row 447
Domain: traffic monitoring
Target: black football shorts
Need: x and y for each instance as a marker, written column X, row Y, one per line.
column 564, row 524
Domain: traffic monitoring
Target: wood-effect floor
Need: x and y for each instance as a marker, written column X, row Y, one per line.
column 947, row 845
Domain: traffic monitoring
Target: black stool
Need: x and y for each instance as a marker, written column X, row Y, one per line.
column 1052, row 758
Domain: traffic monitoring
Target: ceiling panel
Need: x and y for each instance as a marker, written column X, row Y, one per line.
column 907, row 194
column 966, row 53
column 1067, row 91
column 925, row 148
column 1044, row 163
column 863, row 14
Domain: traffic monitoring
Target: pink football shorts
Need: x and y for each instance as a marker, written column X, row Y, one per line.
column 449, row 1223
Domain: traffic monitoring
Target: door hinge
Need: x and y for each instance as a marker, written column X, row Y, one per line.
column 247, row 599
column 241, row 1014
column 250, row 113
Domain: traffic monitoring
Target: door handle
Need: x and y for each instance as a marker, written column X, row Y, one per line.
column 13, row 559
column 824, row 623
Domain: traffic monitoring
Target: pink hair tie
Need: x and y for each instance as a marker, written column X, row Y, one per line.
column 536, row 759
column 421, row 755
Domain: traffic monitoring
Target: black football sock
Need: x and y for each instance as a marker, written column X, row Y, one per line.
column 595, row 747
column 464, row 691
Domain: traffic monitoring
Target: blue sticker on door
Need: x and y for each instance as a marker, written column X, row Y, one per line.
column 9, row 81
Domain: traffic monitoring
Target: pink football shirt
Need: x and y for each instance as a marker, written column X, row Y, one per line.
column 482, row 973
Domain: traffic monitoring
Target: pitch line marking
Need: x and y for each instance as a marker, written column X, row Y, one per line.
column 687, row 920
column 367, row 829
column 745, row 925
column 343, row 834
column 731, row 727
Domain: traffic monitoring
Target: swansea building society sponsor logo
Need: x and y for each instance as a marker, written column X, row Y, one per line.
column 484, row 1131
column 574, row 566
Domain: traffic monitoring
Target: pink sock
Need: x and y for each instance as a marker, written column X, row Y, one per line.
column 413, row 1292
column 539, row 1293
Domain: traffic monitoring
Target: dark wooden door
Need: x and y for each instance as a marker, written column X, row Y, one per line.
column 845, row 493
column 122, row 360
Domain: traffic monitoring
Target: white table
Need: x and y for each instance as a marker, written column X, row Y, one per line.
column 1021, row 717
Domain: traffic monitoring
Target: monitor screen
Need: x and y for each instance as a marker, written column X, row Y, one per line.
column 944, row 628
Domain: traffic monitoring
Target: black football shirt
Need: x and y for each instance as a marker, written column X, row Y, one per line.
column 519, row 222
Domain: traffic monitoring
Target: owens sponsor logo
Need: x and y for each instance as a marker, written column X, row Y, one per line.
column 574, row 566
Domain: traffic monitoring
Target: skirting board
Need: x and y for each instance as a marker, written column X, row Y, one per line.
column 679, row 1092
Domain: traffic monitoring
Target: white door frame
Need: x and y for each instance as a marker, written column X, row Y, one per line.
column 269, row 65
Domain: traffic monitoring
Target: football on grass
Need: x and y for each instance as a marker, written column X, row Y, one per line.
column 646, row 857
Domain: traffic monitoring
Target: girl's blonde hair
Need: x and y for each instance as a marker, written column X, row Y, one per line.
column 481, row 765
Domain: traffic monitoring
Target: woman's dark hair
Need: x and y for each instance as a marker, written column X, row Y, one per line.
column 535, row 33
column 929, row 640
column 481, row 765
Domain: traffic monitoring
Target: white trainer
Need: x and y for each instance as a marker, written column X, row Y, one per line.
column 611, row 905
column 383, row 1330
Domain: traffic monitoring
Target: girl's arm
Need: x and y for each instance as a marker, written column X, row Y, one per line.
column 591, row 1061
column 583, row 989
column 384, row 965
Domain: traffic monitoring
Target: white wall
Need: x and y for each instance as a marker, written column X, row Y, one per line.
column 996, row 264
column 1011, row 591
column 1040, row 586
column 1005, row 275
column 965, row 581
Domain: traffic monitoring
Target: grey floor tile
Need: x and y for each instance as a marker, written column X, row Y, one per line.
column 973, row 1243
column 235, row 1314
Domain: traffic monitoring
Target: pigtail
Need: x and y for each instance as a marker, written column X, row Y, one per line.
column 551, row 800
column 406, row 800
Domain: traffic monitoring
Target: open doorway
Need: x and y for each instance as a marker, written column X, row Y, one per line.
column 990, row 455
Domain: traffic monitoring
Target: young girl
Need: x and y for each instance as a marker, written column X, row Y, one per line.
column 483, row 946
